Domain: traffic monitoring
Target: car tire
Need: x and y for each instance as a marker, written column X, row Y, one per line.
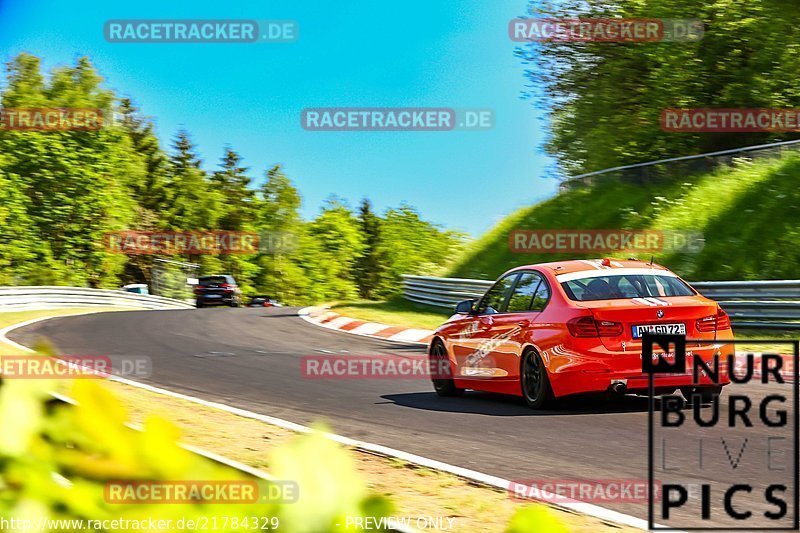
column 444, row 386
column 198, row 305
column 534, row 381
column 705, row 394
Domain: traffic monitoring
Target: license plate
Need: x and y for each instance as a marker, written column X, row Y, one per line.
column 659, row 329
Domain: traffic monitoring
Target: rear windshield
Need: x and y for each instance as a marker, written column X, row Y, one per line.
column 212, row 280
column 617, row 287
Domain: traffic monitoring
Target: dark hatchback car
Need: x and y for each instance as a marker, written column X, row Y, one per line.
column 263, row 301
column 217, row 290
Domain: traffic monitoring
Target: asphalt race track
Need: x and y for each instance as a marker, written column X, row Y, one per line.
column 250, row 358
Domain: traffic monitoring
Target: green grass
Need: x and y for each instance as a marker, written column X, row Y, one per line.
column 16, row 317
column 395, row 312
column 752, row 334
column 749, row 214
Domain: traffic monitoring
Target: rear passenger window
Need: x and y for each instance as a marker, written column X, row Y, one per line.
column 524, row 293
column 541, row 297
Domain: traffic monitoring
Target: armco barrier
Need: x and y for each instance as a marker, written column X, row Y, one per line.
column 751, row 304
column 28, row 298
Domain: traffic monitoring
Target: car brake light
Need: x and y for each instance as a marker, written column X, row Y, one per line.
column 587, row 326
column 706, row 324
column 723, row 320
column 584, row 326
column 716, row 322
column 198, row 290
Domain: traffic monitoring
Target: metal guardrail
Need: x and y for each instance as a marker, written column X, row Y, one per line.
column 25, row 298
column 750, row 304
column 679, row 166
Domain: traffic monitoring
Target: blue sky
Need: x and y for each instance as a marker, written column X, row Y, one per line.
column 359, row 53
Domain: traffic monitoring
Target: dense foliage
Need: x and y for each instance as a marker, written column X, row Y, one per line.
column 61, row 191
column 606, row 98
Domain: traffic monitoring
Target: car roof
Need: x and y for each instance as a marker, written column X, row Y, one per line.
column 567, row 267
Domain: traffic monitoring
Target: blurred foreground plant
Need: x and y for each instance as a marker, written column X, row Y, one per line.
column 56, row 458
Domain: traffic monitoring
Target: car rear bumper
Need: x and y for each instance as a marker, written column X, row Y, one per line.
column 225, row 300
column 599, row 372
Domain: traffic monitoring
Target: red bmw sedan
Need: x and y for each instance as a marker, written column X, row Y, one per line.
column 557, row 329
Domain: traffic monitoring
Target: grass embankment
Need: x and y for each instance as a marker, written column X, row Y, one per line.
column 395, row 312
column 748, row 213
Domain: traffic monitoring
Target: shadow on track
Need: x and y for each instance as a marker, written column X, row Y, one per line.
column 484, row 403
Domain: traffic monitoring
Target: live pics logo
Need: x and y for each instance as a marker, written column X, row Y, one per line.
column 726, row 461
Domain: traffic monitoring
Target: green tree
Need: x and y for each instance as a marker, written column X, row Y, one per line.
column 17, row 242
column 281, row 231
column 150, row 191
column 415, row 246
column 371, row 266
column 192, row 203
column 77, row 183
column 237, row 213
column 606, row 99
column 233, row 185
column 333, row 245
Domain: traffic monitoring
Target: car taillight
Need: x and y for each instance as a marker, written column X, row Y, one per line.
column 587, row 326
column 584, row 326
column 716, row 322
column 198, row 290
column 707, row 324
column 226, row 287
column 723, row 320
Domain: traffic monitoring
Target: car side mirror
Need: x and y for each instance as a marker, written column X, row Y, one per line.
column 466, row 307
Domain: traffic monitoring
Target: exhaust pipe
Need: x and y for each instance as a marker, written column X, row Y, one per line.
column 618, row 387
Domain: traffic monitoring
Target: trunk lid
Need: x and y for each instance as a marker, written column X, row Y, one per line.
column 674, row 315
